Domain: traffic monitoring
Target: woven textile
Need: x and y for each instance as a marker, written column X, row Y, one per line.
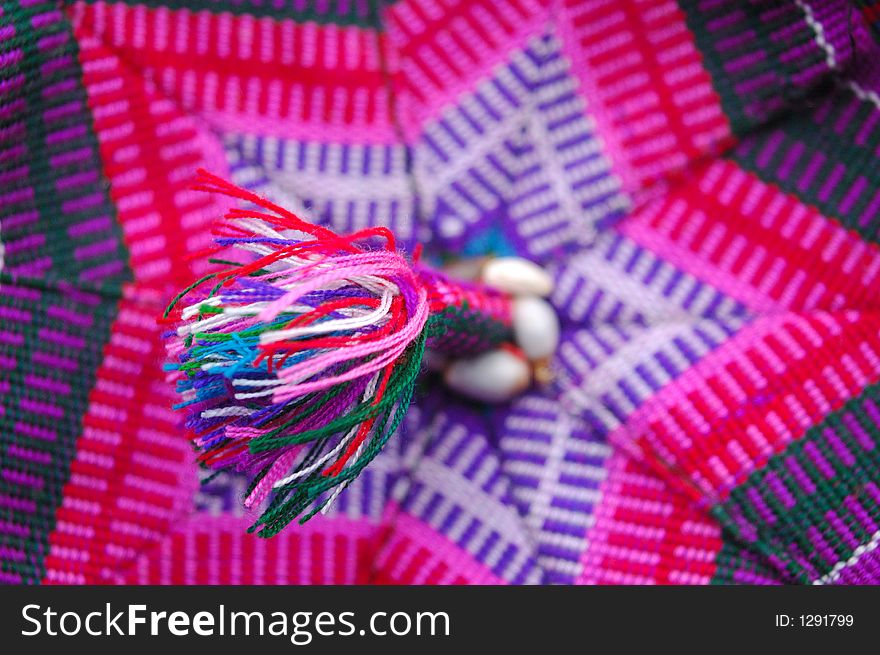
column 701, row 177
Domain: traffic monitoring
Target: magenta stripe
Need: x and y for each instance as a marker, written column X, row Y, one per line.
column 47, row 384
column 67, row 86
column 29, row 455
column 10, row 578
column 63, row 110
column 38, row 407
column 99, row 224
column 35, row 431
column 52, row 66
column 816, row 456
column 24, row 479
column 17, row 504
column 95, row 249
column 14, row 314
column 30, row 242
column 780, row 490
column 21, row 219
column 46, row 19
column 12, row 554
column 15, row 529
column 858, row 510
column 76, row 156
column 838, row 446
column 761, row 506
column 56, row 361
column 826, row 551
column 800, row 475
column 61, row 338
column 841, row 529
column 855, row 427
column 53, row 41
column 11, row 338
column 69, row 316
column 22, row 293
column 80, row 296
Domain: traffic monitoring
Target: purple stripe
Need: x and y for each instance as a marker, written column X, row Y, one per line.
column 865, row 570
column 838, row 446
column 41, row 408
column 839, row 527
column 858, row 511
column 13, row 314
column 852, row 424
column 28, row 455
column 799, row 475
column 61, row 338
column 852, row 195
column 47, row 384
column 818, row 541
column 18, row 504
column 69, row 316
column 22, row 479
column 819, row 460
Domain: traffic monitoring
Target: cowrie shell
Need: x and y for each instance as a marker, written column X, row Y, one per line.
column 517, row 276
column 535, row 327
column 495, row 376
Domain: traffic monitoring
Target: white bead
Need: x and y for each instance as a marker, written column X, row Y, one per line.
column 493, row 377
column 517, row 276
column 535, row 327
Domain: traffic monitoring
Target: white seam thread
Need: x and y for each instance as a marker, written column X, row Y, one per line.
column 861, row 94
column 834, row 573
column 819, row 31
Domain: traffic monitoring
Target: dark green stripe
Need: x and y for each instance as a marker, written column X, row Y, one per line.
column 52, row 288
column 54, row 220
column 787, row 537
column 814, row 131
column 359, row 13
column 68, row 428
column 737, row 565
column 747, row 110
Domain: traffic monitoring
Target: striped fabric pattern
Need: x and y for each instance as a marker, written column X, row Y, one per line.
column 57, row 221
column 700, row 177
column 61, row 243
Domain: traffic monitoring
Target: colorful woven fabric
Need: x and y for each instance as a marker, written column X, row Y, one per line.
column 701, row 177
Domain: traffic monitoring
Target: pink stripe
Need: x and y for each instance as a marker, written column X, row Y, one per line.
column 411, row 530
column 376, row 133
column 685, row 260
column 589, row 91
column 287, row 558
column 413, row 115
column 675, row 394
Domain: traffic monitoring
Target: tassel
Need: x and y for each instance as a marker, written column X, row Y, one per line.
column 298, row 360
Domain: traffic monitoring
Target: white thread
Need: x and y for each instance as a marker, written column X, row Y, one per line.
column 864, row 94
column 368, row 394
column 834, row 574
column 819, row 31
column 232, row 410
column 368, row 318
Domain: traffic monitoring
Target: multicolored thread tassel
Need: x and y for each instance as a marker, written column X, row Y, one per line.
column 297, row 364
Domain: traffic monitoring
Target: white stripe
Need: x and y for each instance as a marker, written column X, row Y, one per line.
column 861, row 93
column 360, row 319
column 227, row 411
column 819, row 30
column 832, row 576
